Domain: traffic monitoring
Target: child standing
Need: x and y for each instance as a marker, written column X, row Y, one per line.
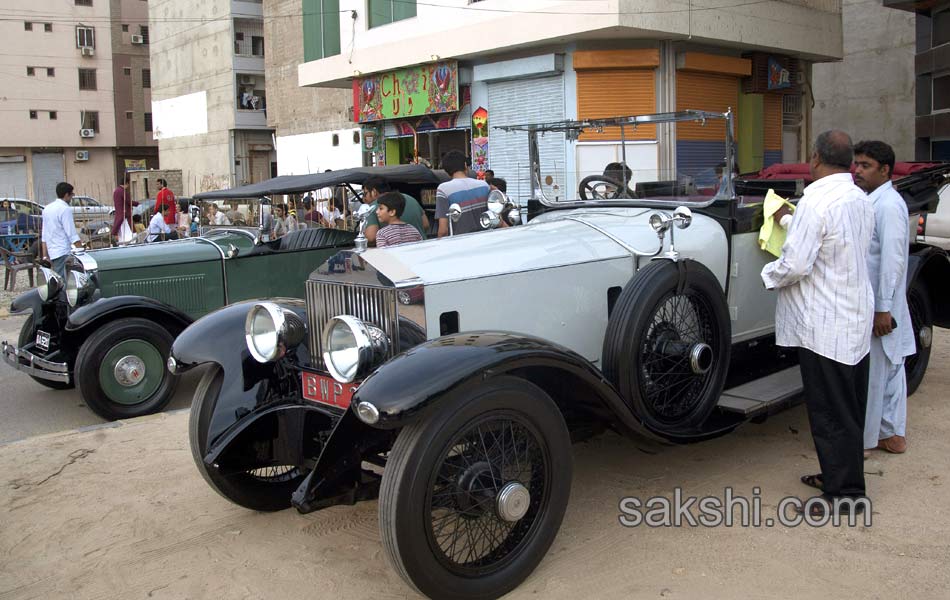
column 393, row 230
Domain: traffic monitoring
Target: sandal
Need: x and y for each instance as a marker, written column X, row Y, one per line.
column 819, row 510
column 814, row 481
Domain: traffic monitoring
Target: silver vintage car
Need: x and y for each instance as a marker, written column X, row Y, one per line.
column 448, row 378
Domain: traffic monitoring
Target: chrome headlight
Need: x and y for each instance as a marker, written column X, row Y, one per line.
column 514, row 216
column 48, row 284
column 106, row 230
column 79, row 287
column 352, row 348
column 270, row 331
column 488, row 220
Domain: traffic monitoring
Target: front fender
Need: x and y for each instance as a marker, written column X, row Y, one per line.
column 113, row 306
column 27, row 302
column 218, row 338
column 412, row 383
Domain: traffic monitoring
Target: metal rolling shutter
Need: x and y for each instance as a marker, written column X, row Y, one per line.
column 617, row 93
column 773, row 129
column 699, row 147
column 526, row 101
column 47, row 172
column 13, row 180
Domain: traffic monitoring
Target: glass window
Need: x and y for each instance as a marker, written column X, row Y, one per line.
column 30, row 71
column 128, row 114
column 126, row 70
column 125, row 28
column 52, row 115
column 941, row 28
column 27, row 26
column 90, row 120
column 148, row 121
column 47, row 27
column 50, row 72
column 321, row 29
column 85, row 37
column 33, row 114
column 941, row 94
column 87, row 79
column 146, row 78
column 83, row 2
column 382, row 12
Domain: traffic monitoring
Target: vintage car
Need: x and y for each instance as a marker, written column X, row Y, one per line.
column 109, row 327
column 457, row 406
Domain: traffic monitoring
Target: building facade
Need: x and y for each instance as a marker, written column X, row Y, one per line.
column 314, row 129
column 209, row 96
column 497, row 63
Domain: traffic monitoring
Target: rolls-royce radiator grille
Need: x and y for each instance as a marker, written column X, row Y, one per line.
column 370, row 304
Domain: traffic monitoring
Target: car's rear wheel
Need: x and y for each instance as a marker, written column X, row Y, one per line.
column 922, row 321
column 27, row 336
column 120, row 370
column 667, row 344
column 267, row 489
column 473, row 495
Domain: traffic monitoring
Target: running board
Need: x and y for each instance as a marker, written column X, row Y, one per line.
column 761, row 395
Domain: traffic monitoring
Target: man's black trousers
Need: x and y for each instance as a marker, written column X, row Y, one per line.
column 836, row 396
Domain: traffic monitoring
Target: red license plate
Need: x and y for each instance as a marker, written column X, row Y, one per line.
column 326, row 390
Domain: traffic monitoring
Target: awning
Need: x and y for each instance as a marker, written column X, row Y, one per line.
column 293, row 184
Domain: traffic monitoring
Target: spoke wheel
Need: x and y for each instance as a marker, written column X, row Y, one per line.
column 921, row 318
column 264, row 489
column 667, row 345
column 474, row 493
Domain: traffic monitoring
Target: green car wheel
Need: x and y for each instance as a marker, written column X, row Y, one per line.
column 121, row 370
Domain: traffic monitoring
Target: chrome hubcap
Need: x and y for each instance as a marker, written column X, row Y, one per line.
column 700, row 358
column 129, row 371
column 926, row 336
column 513, row 501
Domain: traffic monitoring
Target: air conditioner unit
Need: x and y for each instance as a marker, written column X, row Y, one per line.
column 82, row 155
column 247, row 80
column 87, row 133
column 87, row 51
column 138, row 39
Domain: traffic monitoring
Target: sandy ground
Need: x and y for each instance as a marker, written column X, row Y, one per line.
column 121, row 512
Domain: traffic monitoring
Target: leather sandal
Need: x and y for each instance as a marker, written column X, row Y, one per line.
column 813, row 481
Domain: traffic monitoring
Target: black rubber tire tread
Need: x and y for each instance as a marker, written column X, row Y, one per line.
column 240, row 489
column 915, row 375
column 407, row 468
column 27, row 335
column 94, row 349
column 628, row 320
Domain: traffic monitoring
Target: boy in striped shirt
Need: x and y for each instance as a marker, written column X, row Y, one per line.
column 393, row 230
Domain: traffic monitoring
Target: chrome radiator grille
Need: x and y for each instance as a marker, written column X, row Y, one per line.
column 373, row 305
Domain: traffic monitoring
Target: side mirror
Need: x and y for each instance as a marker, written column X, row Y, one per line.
column 454, row 214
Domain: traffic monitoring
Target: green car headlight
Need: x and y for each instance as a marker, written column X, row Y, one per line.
column 270, row 331
column 79, row 288
column 48, row 284
column 351, row 348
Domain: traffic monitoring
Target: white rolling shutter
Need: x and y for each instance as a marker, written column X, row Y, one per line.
column 47, row 172
column 13, row 180
column 519, row 102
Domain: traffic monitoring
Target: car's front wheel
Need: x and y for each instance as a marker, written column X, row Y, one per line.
column 120, row 370
column 266, row 489
column 473, row 494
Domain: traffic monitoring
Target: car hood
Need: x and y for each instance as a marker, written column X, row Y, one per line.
column 552, row 240
column 156, row 254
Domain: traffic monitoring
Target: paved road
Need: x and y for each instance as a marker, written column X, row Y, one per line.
column 28, row 408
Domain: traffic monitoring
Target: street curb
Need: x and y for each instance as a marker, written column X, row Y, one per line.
column 156, row 419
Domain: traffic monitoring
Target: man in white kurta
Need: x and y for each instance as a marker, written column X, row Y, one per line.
column 893, row 336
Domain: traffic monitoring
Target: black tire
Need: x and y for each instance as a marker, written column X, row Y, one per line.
column 922, row 320
column 661, row 314
column 95, row 371
column 524, row 417
column 265, row 492
column 27, row 335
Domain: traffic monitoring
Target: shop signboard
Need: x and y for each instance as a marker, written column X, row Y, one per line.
column 480, row 141
column 135, row 164
column 414, row 91
column 779, row 76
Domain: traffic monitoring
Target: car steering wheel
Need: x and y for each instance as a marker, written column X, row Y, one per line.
column 602, row 187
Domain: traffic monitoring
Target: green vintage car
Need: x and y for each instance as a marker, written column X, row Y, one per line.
column 109, row 327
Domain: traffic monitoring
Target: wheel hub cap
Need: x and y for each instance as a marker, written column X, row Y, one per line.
column 129, row 370
column 926, row 336
column 513, row 501
column 700, row 358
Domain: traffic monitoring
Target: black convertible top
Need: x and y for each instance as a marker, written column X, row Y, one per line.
column 292, row 184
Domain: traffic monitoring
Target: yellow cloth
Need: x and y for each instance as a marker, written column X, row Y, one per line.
column 772, row 235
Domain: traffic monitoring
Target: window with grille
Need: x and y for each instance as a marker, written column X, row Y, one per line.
column 148, row 121
column 33, row 114
column 128, row 114
column 90, row 120
column 126, row 70
column 85, row 37
column 143, row 31
column 146, row 78
column 27, row 26
column 30, row 71
column 83, row 2
column 125, row 28
column 47, row 27
column 87, row 79
column 50, row 72
column 52, row 115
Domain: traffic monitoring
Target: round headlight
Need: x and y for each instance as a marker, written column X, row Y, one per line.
column 270, row 331
column 660, row 222
column 488, row 220
column 77, row 288
column 351, row 347
column 48, row 284
column 104, row 230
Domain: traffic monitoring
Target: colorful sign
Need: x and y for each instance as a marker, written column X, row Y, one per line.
column 480, row 141
column 135, row 164
column 411, row 92
column 371, row 139
column 779, row 76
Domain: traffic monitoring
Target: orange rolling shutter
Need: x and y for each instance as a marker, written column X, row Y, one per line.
column 616, row 93
column 773, row 121
column 705, row 91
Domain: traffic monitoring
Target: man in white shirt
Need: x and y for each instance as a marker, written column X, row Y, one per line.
column 825, row 308
column 158, row 229
column 59, row 229
column 893, row 335
column 216, row 217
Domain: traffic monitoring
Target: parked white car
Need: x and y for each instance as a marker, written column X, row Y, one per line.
column 87, row 209
column 934, row 229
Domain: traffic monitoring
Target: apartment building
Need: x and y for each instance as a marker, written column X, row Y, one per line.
column 209, row 94
column 419, row 73
column 314, row 128
column 70, row 109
